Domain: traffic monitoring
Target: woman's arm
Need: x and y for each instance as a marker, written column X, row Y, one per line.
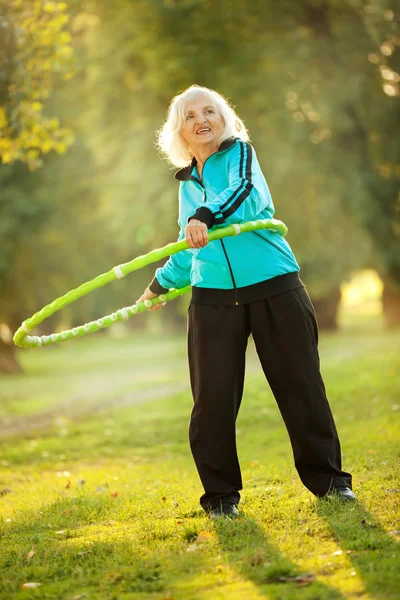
column 175, row 273
column 247, row 195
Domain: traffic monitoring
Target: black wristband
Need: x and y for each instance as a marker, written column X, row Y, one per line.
column 157, row 288
column 204, row 215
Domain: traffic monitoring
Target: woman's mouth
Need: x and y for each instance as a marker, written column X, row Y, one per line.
column 203, row 130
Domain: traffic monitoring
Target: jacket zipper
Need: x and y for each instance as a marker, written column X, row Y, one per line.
column 231, row 271
column 222, row 243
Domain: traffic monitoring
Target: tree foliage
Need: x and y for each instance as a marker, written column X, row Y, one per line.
column 35, row 48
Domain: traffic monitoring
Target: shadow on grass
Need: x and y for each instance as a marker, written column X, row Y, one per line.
column 374, row 554
column 107, row 549
column 90, row 547
column 95, row 546
column 245, row 545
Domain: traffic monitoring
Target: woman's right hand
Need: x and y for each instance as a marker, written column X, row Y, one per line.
column 148, row 295
column 196, row 234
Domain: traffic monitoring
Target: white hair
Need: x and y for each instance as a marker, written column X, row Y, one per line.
column 169, row 139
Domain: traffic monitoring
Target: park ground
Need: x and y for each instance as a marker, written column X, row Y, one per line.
column 99, row 494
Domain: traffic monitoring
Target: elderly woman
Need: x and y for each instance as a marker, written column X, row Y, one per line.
column 242, row 285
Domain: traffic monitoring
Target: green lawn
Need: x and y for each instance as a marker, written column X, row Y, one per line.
column 102, row 502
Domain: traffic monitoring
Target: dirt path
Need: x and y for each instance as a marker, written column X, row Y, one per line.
column 78, row 407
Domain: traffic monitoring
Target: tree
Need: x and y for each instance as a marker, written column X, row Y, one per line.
column 34, row 49
column 356, row 46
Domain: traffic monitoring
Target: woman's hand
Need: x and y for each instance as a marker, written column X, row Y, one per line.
column 148, row 295
column 196, row 234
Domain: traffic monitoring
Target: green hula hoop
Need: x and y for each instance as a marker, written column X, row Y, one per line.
column 24, row 340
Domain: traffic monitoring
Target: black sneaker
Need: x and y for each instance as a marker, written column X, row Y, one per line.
column 342, row 492
column 225, row 509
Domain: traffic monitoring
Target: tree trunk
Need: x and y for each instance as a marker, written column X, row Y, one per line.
column 8, row 358
column 327, row 308
column 391, row 303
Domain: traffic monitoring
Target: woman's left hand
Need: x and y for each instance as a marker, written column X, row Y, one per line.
column 148, row 295
column 196, row 234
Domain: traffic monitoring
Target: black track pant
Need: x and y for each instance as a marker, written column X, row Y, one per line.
column 285, row 333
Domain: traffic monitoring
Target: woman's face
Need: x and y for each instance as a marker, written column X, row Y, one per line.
column 203, row 125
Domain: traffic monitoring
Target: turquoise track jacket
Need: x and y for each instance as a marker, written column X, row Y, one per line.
column 233, row 190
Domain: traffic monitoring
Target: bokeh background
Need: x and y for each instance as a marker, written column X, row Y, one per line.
column 86, row 84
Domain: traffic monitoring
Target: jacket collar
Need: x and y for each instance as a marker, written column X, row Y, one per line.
column 185, row 173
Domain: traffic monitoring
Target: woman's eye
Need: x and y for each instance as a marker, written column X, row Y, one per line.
column 210, row 110
column 189, row 117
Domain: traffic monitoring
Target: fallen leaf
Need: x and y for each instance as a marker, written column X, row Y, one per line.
column 394, row 532
column 68, row 485
column 203, row 537
column 305, row 579
column 83, row 553
column 179, row 522
column 115, row 577
column 219, row 568
column 337, row 553
column 31, row 585
column 61, row 532
column 114, row 494
column 67, row 511
column 30, row 554
column 5, row 491
column 163, row 499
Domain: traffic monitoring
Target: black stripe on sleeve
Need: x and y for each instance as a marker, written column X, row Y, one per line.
column 249, row 161
column 240, row 175
column 248, row 187
column 232, row 196
column 243, row 163
column 246, row 192
column 241, row 159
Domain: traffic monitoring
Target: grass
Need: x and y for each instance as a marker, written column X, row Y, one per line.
column 61, row 377
column 105, row 505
